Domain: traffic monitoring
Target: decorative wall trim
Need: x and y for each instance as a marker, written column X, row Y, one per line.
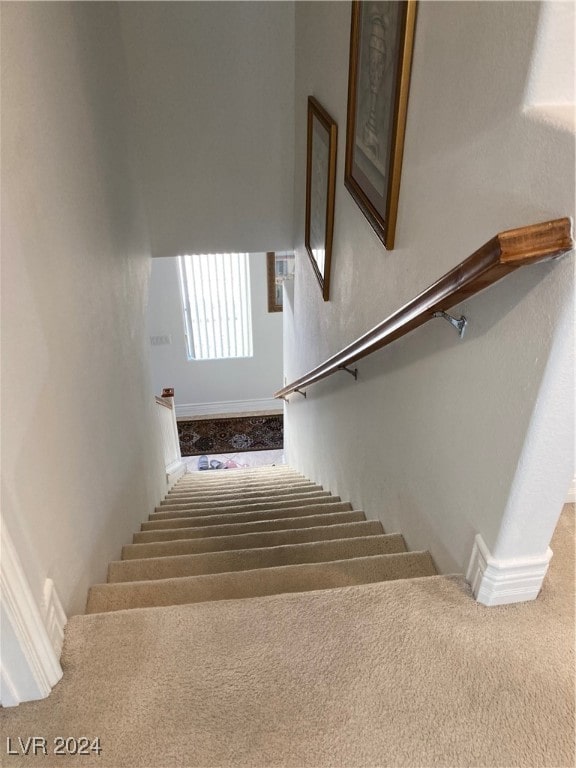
column 30, row 664
column 499, row 582
column 227, row 407
column 54, row 617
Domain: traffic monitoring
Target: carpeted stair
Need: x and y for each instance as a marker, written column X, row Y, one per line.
column 222, row 535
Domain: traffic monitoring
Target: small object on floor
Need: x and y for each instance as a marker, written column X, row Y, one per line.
column 230, row 464
column 203, row 462
column 215, row 464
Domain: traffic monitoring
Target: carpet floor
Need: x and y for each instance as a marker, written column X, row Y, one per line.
column 234, row 435
column 402, row 673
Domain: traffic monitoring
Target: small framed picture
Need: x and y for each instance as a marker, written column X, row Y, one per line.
column 381, row 42
column 320, row 191
column 279, row 268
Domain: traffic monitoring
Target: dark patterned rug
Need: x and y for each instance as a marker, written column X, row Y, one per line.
column 253, row 433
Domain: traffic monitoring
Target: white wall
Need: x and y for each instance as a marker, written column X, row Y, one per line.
column 430, row 437
column 551, row 79
column 214, row 107
column 214, row 386
column 81, row 460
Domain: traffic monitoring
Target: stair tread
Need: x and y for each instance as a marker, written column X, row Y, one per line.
column 251, row 540
column 184, row 519
column 249, row 474
column 259, row 582
column 293, row 499
column 153, row 568
column 231, row 529
column 242, row 492
column 272, row 482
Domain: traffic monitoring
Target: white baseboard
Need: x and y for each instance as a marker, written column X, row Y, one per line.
column 228, row 407
column 30, row 665
column 571, row 499
column 54, row 617
column 499, row 582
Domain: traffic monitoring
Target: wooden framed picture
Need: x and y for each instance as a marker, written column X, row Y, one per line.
column 320, row 191
column 381, row 43
column 279, row 268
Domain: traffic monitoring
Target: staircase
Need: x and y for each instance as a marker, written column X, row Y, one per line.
column 388, row 671
column 221, row 535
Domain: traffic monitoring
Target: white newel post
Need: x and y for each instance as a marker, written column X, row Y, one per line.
column 175, row 467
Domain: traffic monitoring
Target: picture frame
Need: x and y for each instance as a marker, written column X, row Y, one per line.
column 381, row 45
column 279, row 268
column 321, row 152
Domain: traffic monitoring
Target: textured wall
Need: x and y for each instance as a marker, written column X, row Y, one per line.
column 81, row 461
column 430, row 437
column 213, row 381
column 214, row 110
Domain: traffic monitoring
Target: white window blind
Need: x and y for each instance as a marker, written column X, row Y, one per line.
column 217, row 306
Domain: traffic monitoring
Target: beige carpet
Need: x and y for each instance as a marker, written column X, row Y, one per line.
column 402, row 673
column 245, row 565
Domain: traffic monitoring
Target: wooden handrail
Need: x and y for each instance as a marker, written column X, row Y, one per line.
column 501, row 255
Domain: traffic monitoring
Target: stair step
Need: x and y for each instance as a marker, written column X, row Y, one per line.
column 251, row 540
column 177, row 566
column 250, row 475
column 232, row 488
column 246, row 517
column 240, row 493
column 233, row 529
column 294, row 499
column 257, row 506
column 233, row 481
column 259, row 582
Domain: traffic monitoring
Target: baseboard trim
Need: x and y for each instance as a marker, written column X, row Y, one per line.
column 500, row 582
column 30, row 663
column 54, row 617
column 228, row 407
column 571, row 499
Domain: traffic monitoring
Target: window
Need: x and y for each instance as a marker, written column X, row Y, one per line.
column 217, row 308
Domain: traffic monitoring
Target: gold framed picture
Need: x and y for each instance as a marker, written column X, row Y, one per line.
column 381, row 43
column 320, row 191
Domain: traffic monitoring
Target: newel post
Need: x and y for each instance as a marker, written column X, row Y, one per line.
column 175, row 467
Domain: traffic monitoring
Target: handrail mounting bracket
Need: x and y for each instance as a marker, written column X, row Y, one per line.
column 300, row 392
column 351, row 371
column 459, row 323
